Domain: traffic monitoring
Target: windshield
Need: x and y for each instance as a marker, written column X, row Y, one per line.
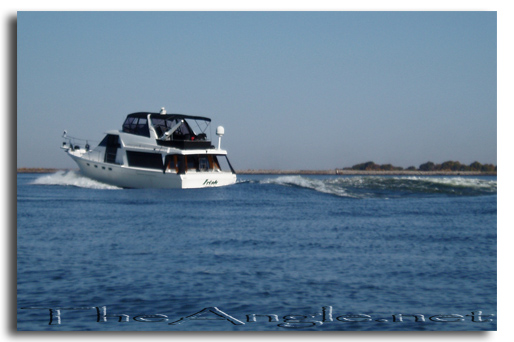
column 137, row 126
column 163, row 125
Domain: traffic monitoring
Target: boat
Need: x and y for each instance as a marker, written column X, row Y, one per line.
column 155, row 150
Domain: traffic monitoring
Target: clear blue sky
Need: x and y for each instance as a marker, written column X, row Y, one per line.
column 294, row 90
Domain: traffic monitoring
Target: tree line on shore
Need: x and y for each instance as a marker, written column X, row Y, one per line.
column 428, row 166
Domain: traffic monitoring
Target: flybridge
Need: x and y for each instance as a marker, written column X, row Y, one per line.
column 172, row 130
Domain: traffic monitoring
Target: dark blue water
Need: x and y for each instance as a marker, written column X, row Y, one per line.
column 311, row 253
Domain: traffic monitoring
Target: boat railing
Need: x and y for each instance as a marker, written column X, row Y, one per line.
column 159, row 149
column 75, row 143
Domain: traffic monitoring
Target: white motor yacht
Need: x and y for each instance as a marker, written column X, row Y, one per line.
column 156, row 150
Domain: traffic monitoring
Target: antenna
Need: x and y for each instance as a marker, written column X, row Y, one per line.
column 219, row 132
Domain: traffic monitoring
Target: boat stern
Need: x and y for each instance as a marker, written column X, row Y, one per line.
column 207, row 179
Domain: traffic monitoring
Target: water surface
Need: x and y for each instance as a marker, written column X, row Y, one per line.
column 313, row 252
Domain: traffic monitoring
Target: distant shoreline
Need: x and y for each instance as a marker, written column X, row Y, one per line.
column 316, row 172
column 38, row 170
column 365, row 172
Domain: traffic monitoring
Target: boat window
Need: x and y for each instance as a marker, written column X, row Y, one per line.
column 161, row 126
column 111, row 148
column 192, row 162
column 137, row 126
column 110, row 139
column 145, row 160
column 223, row 163
column 181, row 164
column 133, row 124
column 203, row 163
column 183, row 130
column 104, row 141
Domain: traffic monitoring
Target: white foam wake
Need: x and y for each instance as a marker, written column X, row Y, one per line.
column 309, row 183
column 464, row 182
column 377, row 186
column 72, row 178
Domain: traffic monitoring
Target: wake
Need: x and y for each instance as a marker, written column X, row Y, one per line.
column 378, row 186
column 72, row 178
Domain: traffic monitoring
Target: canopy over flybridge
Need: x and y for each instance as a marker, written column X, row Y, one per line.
column 167, row 116
column 172, row 130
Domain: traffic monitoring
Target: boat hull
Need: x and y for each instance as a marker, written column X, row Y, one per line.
column 130, row 177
